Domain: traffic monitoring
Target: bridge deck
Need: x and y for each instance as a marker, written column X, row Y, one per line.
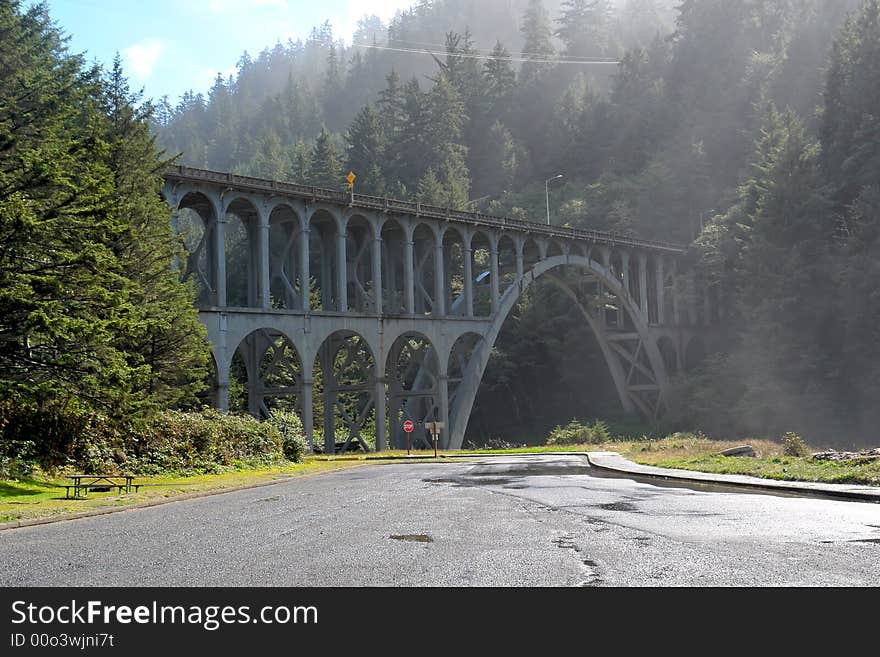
column 374, row 203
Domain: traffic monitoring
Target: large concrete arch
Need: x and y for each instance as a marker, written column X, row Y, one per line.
column 466, row 396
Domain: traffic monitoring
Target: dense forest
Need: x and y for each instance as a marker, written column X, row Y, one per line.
column 749, row 130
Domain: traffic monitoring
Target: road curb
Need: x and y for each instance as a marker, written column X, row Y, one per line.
column 621, row 466
column 146, row 504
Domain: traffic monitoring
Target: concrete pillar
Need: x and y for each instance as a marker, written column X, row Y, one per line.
column 443, row 382
column 493, row 276
column 643, row 284
column 221, row 396
column 707, row 305
column 265, row 299
column 379, row 406
column 304, row 275
column 220, row 261
column 606, row 258
column 661, row 297
column 376, row 262
column 341, row 274
column 409, row 278
column 468, row 282
column 329, row 398
column 676, row 307
column 308, row 419
column 624, row 264
column 520, row 265
column 439, row 309
column 691, row 299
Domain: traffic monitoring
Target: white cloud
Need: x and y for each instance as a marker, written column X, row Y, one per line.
column 140, row 59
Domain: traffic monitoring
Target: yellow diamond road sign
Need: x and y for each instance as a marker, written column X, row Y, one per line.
column 351, row 178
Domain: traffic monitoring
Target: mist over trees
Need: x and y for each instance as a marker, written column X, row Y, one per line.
column 749, row 128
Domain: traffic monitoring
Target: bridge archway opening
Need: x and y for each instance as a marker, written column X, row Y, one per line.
column 361, row 288
column 323, row 235
column 413, row 376
column 554, row 249
column 424, row 269
column 393, row 268
column 561, row 373
column 481, row 247
column 194, row 222
column 266, row 373
column 453, row 269
column 285, row 236
column 344, row 393
column 531, row 254
column 242, row 259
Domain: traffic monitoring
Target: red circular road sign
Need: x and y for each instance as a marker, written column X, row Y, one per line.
column 408, row 426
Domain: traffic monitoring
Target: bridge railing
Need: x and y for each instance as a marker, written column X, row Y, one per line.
column 384, row 204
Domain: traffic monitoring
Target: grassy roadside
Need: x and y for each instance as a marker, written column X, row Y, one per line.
column 701, row 454
column 44, row 497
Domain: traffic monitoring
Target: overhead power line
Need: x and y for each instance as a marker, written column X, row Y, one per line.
column 443, row 53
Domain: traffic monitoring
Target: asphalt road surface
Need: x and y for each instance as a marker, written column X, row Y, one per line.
column 510, row 521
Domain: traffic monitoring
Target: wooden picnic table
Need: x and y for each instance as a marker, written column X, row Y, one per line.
column 81, row 484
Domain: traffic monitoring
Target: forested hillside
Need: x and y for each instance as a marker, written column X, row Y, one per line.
column 749, row 127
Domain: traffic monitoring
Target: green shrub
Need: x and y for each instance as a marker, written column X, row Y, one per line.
column 794, row 445
column 576, row 433
column 207, row 441
column 290, row 428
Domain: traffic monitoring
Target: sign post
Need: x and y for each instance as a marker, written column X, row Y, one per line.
column 351, row 177
column 408, row 427
column 435, row 428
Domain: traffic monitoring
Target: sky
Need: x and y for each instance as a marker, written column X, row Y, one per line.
column 170, row 46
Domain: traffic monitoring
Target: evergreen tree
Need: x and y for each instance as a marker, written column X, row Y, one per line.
column 583, row 27
column 538, row 44
column 162, row 339
column 325, row 169
column 366, row 151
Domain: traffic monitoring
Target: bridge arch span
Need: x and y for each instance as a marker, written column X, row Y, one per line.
column 645, row 358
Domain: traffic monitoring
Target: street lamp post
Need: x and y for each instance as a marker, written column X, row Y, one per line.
column 547, row 193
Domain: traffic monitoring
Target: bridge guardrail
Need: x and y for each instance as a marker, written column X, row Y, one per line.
column 434, row 212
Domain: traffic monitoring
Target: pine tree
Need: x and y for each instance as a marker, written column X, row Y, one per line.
column 366, row 151
column 583, row 27
column 499, row 78
column 325, row 169
column 538, row 45
column 162, row 338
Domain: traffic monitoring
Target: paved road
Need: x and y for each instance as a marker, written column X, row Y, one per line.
column 513, row 521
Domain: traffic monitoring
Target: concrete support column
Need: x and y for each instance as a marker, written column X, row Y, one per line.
column 606, row 257
column 376, row 262
column 308, row 419
column 643, row 284
column 676, row 307
column 624, row 264
column 221, row 396
column 661, row 297
column 439, row 309
column 409, row 278
column 707, row 305
column 493, row 275
column 691, row 299
column 220, row 261
column 341, row 274
column 443, row 382
column 520, row 265
column 379, row 406
column 468, row 282
column 263, row 295
column 304, row 275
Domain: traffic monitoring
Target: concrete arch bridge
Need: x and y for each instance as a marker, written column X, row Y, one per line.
column 394, row 307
